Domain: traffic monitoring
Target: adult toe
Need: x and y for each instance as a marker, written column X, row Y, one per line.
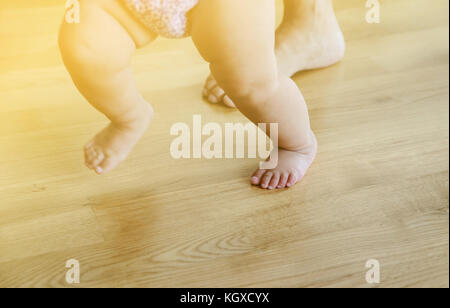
column 256, row 177
column 275, row 180
column 283, row 180
column 266, row 179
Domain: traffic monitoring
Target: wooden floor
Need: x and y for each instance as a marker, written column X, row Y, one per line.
column 378, row 190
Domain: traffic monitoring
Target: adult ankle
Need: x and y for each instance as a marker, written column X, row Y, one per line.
column 306, row 11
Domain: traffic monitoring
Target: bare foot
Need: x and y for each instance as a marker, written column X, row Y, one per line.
column 306, row 45
column 114, row 143
column 301, row 44
column 292, row 167
column 214, row 94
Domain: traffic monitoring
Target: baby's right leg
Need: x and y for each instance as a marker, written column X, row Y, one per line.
column 97, row 52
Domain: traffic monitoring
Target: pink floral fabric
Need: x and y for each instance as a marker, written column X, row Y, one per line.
column 164, row 17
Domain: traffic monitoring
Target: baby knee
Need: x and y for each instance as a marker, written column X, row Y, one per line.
column 255, row 90
column 88, row 57
column 74, row 53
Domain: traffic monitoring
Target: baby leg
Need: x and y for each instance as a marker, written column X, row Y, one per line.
column 97, row 52
column 238, row 41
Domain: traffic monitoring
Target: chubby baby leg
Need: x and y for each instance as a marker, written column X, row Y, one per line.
column 238, row 41
column 97, row 52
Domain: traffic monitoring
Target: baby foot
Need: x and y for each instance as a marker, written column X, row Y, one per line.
column 291, row 168
column 300, row 45
column 114, row 143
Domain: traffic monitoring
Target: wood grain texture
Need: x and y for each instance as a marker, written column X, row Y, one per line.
column 379, row 187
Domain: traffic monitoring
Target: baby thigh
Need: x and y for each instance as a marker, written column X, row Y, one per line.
column 97, row 52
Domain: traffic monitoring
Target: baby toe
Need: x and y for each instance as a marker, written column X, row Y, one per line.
column 89, row 145
column 205, row 92
column 266, row 180
column 88, row 150
column 89, row 157
column 99, row 157
column 106, row 165
column 88, row 162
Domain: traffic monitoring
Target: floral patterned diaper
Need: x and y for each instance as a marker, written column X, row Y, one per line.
column 164, row 17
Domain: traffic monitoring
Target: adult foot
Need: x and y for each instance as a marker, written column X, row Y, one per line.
column 309, row 40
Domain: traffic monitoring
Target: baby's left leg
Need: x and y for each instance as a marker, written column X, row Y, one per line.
column 238, row 41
